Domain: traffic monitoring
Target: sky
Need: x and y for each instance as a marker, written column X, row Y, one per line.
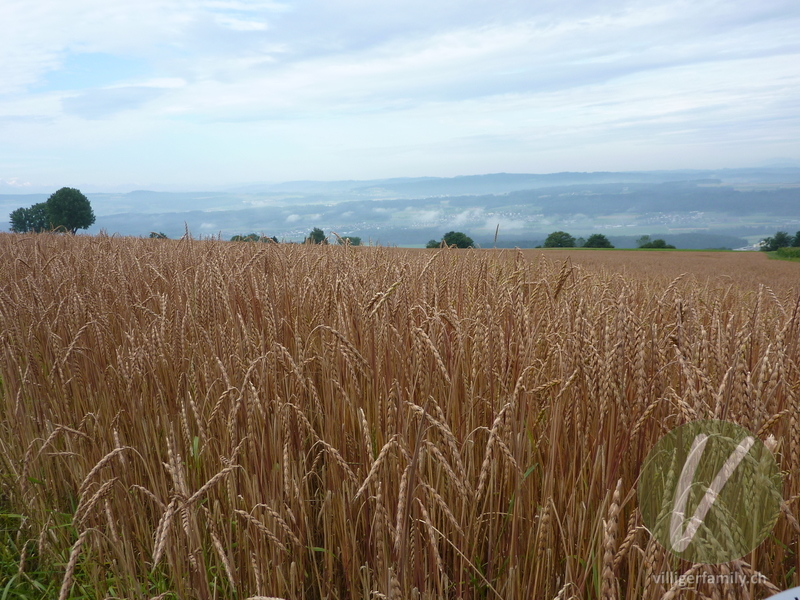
column 182, row 94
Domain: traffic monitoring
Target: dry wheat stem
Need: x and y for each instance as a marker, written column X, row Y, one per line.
column 282, row 401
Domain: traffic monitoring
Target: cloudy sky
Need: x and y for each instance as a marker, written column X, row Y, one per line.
column 192, row 93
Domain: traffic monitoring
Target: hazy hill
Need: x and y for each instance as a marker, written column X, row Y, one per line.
column 737, row 203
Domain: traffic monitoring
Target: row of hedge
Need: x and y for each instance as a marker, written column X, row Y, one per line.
column 787, row 252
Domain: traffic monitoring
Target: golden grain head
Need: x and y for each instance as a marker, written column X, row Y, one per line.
column 295, row 421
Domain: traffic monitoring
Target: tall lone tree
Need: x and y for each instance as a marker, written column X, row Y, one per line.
column 317, row 236
column 780, row 240
column 559, row 239
column 458, row 239
column 70, row 210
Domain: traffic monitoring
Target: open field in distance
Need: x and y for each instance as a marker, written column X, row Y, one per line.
column 203, row 419
column 746, row 269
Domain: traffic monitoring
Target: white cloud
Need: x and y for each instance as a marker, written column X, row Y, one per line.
column 506, row 225
column 248, row 6
column 419, row 217
column 242, row 24
column 104, row 102
column 14, row 182
column 466, row 217
column 337, row 89
column 162, row 82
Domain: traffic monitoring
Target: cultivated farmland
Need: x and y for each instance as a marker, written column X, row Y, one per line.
column 201, row 419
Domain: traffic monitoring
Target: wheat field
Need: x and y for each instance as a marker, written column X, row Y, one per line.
column 205, row 419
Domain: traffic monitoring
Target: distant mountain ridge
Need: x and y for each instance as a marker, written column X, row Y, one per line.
column 744, row 203
column 491, row 183
column 499, row 183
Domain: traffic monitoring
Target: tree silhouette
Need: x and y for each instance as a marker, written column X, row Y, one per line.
column 658, row 244
column 458, row 239
column 34, row 219
column 317, row 236
column 70, row 210
column 597, row 240
column 353, row 240
column 780, row 240
column 559, row 239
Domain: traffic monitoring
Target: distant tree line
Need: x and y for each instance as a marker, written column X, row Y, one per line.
column 780, row 240
column 562, row 239
column 557, row 239
column 451, row 239
column 646, row 242
column 317, row 236
column 353, row 240
column 254, row 237
column 66, row 210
